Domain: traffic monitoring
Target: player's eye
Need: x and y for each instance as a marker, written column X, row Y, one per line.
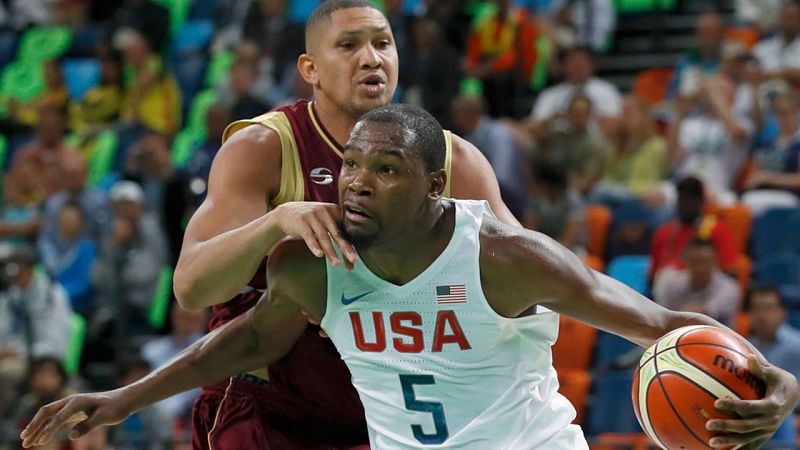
column 382, row 44
column 388, row 170
column 349, row 163
column 346, row 45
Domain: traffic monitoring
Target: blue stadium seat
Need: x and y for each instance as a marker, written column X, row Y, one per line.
column 784, row 272
column 610, row 407
column 189, row 70
column 609, row 350
column 203, row 10
column 80, row 75
column 775, row 232
column 193, row 36
column 631, row 270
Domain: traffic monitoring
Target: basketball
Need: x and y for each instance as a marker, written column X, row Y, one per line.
column 681, row 376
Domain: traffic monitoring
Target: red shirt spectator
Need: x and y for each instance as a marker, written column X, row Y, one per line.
column 671, row 238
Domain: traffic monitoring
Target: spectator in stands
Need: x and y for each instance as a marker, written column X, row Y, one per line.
column 100, row 106
column 20, row 214
column 279, row 40
column 47, row 382
column 217, row 119
column 127, row 268
column 703, row 60
column 742, row 68
column 586, row 23
column 554, row 209
column 152, row 98
column 775, row 180
column 495, row 140
column 769, row 331
column 69, row 257
column 577, row 65
column 96, row 439
column 700, row 287
column 570, row 143
column 93, row 201
column 712, row 143
column 265, row 89
column 671, row 238
column 501, row 53
column 401, row 24
column 187, row 327
column 48, row 154
column 34, row 317
column 151, row 20
column 761, row 14
column 244, row 104
column 54, row 96
column 165, row 189
column 436, row 70
column 780, row 55
column 638, row 165
column 148, row 429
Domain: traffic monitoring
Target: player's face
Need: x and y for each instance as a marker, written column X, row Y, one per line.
column 356, row 61
column 383, row 186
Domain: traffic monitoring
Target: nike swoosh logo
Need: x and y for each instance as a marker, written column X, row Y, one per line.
column 347, row 301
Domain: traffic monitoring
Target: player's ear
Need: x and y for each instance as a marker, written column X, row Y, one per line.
column 307, row 69
column 437, row 182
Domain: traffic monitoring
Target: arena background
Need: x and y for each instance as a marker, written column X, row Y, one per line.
column 599, row 116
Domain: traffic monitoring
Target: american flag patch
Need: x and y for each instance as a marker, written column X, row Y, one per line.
column 453, row 293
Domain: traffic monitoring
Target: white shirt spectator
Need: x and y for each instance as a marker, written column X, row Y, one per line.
column 712, row 155
column 774, row 55
column 720, row 299
column 763, row 13
column 605, row 97
column 594, row 34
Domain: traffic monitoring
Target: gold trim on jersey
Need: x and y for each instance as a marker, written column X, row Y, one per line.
column 219, row 410
column 291, row 188
column 321, row 132
column 448, row 161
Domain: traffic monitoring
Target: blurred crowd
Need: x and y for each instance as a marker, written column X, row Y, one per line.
column 111, row 112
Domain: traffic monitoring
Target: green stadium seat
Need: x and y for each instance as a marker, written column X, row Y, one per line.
column 178, row 12
column 639, row 6
column 102, row 157
column 44, row 43
column 197, row 112
column 159, row 307
column 220, row 64
column 72, row 360
column 184, row 144
column 22, row 80
column 3, row 152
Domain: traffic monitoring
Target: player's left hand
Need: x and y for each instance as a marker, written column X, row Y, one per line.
column 759, row 418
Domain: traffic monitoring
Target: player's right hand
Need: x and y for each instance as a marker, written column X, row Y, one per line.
column 80, row 412
column 317, row 224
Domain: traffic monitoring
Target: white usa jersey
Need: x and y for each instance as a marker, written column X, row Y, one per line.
column 436, row 367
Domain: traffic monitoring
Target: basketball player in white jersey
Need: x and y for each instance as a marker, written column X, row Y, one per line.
column 445, row 321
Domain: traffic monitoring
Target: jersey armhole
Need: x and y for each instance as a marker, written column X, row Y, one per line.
column 448, row 161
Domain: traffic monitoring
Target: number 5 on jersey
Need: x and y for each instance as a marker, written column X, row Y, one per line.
column 436, row 409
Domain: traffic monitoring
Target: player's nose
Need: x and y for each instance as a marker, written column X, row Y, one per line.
column 370, row 57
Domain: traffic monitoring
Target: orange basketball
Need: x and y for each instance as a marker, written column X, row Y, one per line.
column 679, row 378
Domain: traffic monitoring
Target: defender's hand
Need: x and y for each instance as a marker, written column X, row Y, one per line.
column 80, row 412
column 317, row 224
column 760, row 418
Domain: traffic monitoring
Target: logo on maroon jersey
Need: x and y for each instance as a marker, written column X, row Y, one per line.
column 321, row 175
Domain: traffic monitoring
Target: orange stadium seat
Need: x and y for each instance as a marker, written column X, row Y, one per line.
column 594, row 262
column 575, row 344
column 574, row 385
column 598, row 221
column 622, row 441
column 741, row 324
column 747, row 36
column 651, row 84
column 739, row 221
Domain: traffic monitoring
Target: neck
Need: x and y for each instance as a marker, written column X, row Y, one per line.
column 337, row 122
column 425, row 240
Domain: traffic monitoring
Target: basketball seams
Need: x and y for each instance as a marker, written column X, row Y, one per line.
column 703, row 371
column 645, row 412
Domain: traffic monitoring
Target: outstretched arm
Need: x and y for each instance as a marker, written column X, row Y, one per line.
column 514, row 261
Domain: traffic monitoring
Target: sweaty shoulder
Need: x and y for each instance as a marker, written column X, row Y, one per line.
column 252, row 155
column 293, row 271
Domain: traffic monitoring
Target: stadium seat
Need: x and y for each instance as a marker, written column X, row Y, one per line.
column 183, row 145
column 612, row 351
column 610, row 407
column 631, row 270
column 744, row 35
column 40, row 44
column 741, row 324
column 197, row 112
column 575, row 344
column 178, row 11
column 574, row 384
column 80, row 75
column 622, row 441
column 159, row 307
column 193, row 36
column 594, row 262
column 189, row 70
column 651, row 84
column 72, row 359
column 101, row 161
column 742, row 269
column 640, row 6
column 203, row 10
column 775, row 232
column 780, row 270
column 598, row 221
column 739, row 221
column 3, row 152
column 218, row 66
column 22, row 80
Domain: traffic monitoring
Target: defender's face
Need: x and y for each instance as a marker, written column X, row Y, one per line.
column 383, row 184
column 356, row 60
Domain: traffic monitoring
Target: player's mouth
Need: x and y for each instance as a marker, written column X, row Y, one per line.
column 374, row 85
column 354, row 213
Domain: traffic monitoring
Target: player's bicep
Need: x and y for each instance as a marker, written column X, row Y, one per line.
column 244, row 174
column 472, row 178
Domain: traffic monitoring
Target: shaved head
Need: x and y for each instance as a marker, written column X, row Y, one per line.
column 322, row 16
